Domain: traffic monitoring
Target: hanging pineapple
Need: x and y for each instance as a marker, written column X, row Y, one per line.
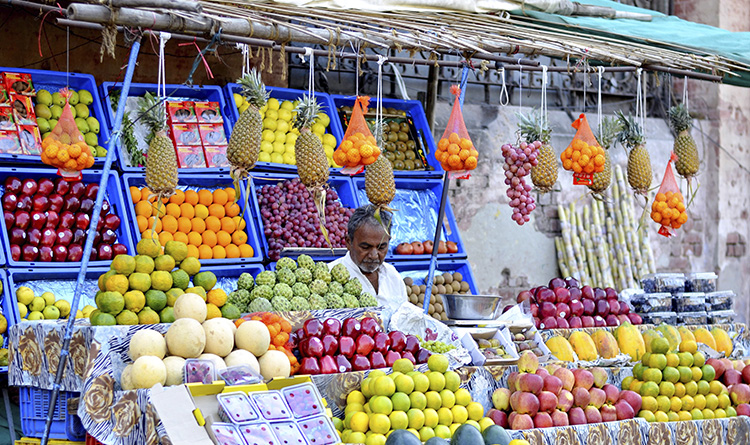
column 534, row 128
column 687, row 163
column 244, row 144
column 161, row 158
column 639, row 162
column 379, row 183
column 608, row 130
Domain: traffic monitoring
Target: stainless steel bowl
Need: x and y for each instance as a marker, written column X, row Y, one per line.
column 472, row 307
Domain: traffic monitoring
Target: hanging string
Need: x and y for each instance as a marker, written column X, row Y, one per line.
column 685, row 100
column 311, row 76
column 599, row 101
column 584, row 90
column 504, row 97
column 543, row 106
column 245, row 49
column 638, row 96
column 644, row 81
column 520, row 85
column 379, row 104
column 161, row 87
column 67, row 57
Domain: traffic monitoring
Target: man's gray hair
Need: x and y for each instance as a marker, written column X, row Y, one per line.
column 366, row 215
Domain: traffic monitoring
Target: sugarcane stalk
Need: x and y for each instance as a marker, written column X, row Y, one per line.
column 567, row 242
column 626, row 257
column 601, row 246
column 561, row 260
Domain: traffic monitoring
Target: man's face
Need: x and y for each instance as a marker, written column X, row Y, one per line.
column 369, row 246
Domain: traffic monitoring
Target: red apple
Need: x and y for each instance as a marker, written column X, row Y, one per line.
column 599, row 294
column 562, row 295
column 360, row 363
column 23, row 220
column 76, row 189
column 48, row 238
column 545, row 295
column 347, row 347
column 602, row 308
column 45, row 187
column 377, row 360
column 398, row 341
column 109, row 237
column 33, row 237
column 79, row 236
column 423, row 355
column 563, row 310
column 575, row 293
column 55, row 202
column 13, row 185
column 87, row 205
column 382, row 342
column 556, row 283
column 38, row 220
column 119, row 249
column 409, row 356
column 91, row 191
column 599, row 322
column 610, row 293
column 587, row 293
column 365, row 344
column 351, row 327
column 29, row 252
column 328, row 365
column 589, row 308
column 576, row 308
column 75, row 252
column 635, row 318
column 111, row 221
column 9, row 218
column 612, row 320
column 67, row 220
column 343, row 364
column 587, row 321
column 549, row 323
column 310, row 366
column 391, row 357
column 547, row 310
column 29, row 187
column 62, row 187
column 82, row 221
column 370, row 326
column 572, row 282
column 46, row 254
column 313, row 328
column 40, row 203
column 614, row 306
column 314, row 347
column 17, row 236
column 53, row 219
column 64, row 237
column 412, row 345
column 15, row 252
column 523, row 296
column 575, row 322
column 330, row 345
column 332, row 326
column 10, row 202
column 562, row 323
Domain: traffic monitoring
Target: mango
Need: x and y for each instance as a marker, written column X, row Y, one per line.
column 648, row 336
column 723, row 341
column 606, row 345
column 583, row 346
column 686, row 334
column 702, row 335
column 630, row 341
column 671, row 334
column 561, row 348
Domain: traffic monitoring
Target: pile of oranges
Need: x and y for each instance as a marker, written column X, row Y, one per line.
column 208, row 221
column 73, row 157
column 280, row 331
column 581, row 157
column 668, row 209
column 357, row 149
column 456, row 153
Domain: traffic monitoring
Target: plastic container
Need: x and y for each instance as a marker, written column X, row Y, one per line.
column 199, row 371
column 721, row 317
column 450, row 227
column 236, row 408
column 418, row 122
column 304, row 400
column 113, row 196
column 210, row 93
column 689, row 302
column 319, row 430
column 10, row 310
column 271, row 405
column 289, row 433
column 721, row 300
column 226, row 434
column 259, row 433
column 660, row 317
column 193, row 180
column 417, row 270
column 53, row 81
column 663, row 282
column 283, row 94
column 649, row 303
column 34, row 404
column 239, row 375
column 701, row 282
column 693, row 318
column 341, row 184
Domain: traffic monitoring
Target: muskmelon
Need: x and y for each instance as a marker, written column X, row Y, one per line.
column 219, row 337
column 186, row 338
column 190, row 305
column 175, row 366
column 147, row 342
column 126, row 381
column 147, row 371
column 253, row 336
column 274, row 364
column 242, row 357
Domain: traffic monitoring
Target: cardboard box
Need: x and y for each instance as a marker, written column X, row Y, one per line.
column 181, row 112
column 208, row 112
column 31, row 141
column 9, row 142
column 216, row 156
column 7, row 121
column 212, row 134
column 186, row 135
column 23, row 109
column 190, row 156
column 19, row 83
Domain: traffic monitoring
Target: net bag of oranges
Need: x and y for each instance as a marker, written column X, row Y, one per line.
column 65, row 147
column 456, row 152
column 668, row 209
column 584, row 156
column 358, row 148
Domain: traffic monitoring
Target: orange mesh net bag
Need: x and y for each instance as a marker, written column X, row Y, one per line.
column 584, row 156
column 456, row 152
column 358, row 148
column 668, row 209
column 65, row 147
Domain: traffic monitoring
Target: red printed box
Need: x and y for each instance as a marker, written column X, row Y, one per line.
column 212, row 134
column 208, row 112
column 186, row 134
column 7, row 122
column 190, row 156
column 3, row 94
column 23, row 109
column 19, row 83
column 216, row 156
column 9, row 142
column 31, row 141
column 181, row 112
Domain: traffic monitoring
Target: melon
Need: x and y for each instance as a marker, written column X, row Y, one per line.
column 147, row 342
column 218, row 362
column 274, row 364
column 126, row 381
column 242, row 357
column 147, row 371
column 190, row 306
column 253, row 336
column 186, row 338
column 219, row 337
column 175, row 366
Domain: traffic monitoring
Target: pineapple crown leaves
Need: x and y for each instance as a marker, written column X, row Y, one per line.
column 150, row 109
column 608, row 130
column 631, row 133
column 679, row 118
column 307, row 112
column 533, row 128
column 254, row 89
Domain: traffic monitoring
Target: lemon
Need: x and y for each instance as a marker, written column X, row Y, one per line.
column 671, row 374
column 672, row 416
column 652, row 375
column 381, row 405
column 273, row 104
column 359, row 422
column 416, row 418
column 49, row 298
column 430, row 417
column 688, row 403
column 649, row 389
column 719, row 413
column 318, row 129
column 285, row 115
column 380, row 423
column 35, row 315
column 712, row 402
column 426, row 433
column 699, row 401
column 699, row 359
column 291, row 138
column 277, row 158
column 404, row 383
column 323, row 119
column 418, row 400
column 399, row 420
column 355, row 397
column 679, row 389
column 269, row 123
column 460, row 415
column 476, row 411
column 354, row 408
column 384, row 386
column 282, row 126
column 289, row 159
column 724, row 401
column 648, row 403
column 238, row 99
column 375, row 439
column 244, row 107
column 287, row 105
column 437, row 363
column 22, row 310
column 87, row 310
column 37, row 304
column 691, row 388
column 437, row 381
column 463, row 396
column 64, row 307
column 703, row 387
column 356, row 437
column 660, row 345
column 401, row 401
column 452, row 380
column 279, row 136
column 648, row 416
column 24, row 295
column 658, row 361
column 329, row 140
column 454, row 427
column 661, row 416
column 264, row 156
column 434, row 400
column 708, row 414
column 443, row 432
column 445, row 416
column 421, row 382
column 696, row 414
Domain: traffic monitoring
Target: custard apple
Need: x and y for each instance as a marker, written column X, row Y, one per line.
column 306, row 262
column 299, row 304
column 283, row 290
column 303, row 275
column 239, row 298
column 367, row 300
column 319, row 287
column 281, row 304
column 322, row 273
column 334, row 287
column 340, row 273
column 262, row 291
column 266, row 277
column 300, row 290
column 353, row 286
column 260, row 305
column 317, row 302
column 334, row 301
column 285, row 276
column 350, row 301
column 245, row 281
column 286, row 263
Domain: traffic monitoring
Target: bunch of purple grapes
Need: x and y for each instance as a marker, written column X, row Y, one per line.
column 518, row 163
column 291, row 220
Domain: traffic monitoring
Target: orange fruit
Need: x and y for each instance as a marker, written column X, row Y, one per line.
column 135, row 194
column 223, row 238
column 219, row 252
column 178, row 197
column 453, row 149
column 157, row 229
column 443, row 144
column 142, row 223
column 230, row 193
column 213, row 223
column 567, row 164
column 205, row 252
column 169, row 223
column 195, row 238
column 193, row 251
column 239, row 223
column 191, row 197
column 146, row 195
column 656, row 216
column 232, row 251
column 164, row 237
column 220, row 197
column 149, row 234
column 239, row 237
column 143, row 208
column 227, row 224
column 158, row 208
column 172, row 209
column 201, row 211
column 184, row 225
column 465, row 143
column 470, row 163
column 205, row 197
column 209, row 238
column 187, row 210
column 181, row 237
column 453, row 138
column 246, row 251
column 198, row 225
column 233, row 209
column 217, row 210
column 463, row 154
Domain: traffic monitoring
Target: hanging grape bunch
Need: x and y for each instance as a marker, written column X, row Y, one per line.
column 518, row 163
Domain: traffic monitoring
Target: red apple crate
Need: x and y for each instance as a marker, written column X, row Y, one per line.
column 11, row 314
column 113, row 196
column 34, row 403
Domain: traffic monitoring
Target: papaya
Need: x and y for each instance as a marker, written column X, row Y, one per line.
column 583, row 346
column 606, row 345
column 630, row 341
column 686, row 334
column 648, row 336
column 723, row 341
column 702, row 335
column 672, row 335
column 561, row 348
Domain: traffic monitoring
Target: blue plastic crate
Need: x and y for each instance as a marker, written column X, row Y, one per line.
column 53, row 81
column 211, row 93
column 34, row 406
column 208, row 182
column 283, row 94
column 113, row 196
column 10, row 310
column 418, row 270
column 450, row 228
column 64, row 284
column 415, row 112
column 342, row 185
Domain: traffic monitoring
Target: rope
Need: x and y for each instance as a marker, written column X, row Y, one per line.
column 543, row 106
column 638, row 97
column 245, row 49
column 685, row 99
column 311, row 75
column 520, row 85
column 599, row 101
column 504, row 96
column 379, row 105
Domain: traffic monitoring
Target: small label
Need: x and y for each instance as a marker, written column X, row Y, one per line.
column 583, row 179
column 190, row 156
column 351, row 171
column 459, row 174
column 208, row 112
column 667, row 231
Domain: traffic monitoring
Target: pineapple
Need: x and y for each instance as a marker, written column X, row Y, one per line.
column 544, row 175
column 639, row 162
column 312, row 163
column 608, row 132
column 244, row 144
column 684, row 145
column 161, row 159
column 379, row 184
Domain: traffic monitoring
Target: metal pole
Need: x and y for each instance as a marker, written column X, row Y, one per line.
column 111, row 148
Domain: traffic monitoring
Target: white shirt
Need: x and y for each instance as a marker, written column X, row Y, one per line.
column 391, row 289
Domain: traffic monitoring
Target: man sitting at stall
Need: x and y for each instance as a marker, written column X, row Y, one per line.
column 367, row 241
